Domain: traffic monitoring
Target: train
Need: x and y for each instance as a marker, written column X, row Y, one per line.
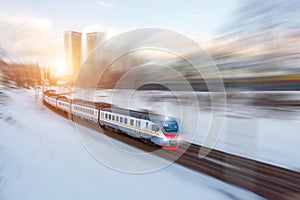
column 148, row 127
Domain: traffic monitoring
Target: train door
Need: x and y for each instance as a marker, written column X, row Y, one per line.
column 137, row 126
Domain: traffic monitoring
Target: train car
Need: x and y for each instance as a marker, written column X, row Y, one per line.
column 153, row 128
column 63, row 104
column 45, row 99
column 85, row 110
column 150, row 128
column 46, row 96
column 52, row 101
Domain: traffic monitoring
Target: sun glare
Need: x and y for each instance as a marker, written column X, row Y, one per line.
column 59, row 69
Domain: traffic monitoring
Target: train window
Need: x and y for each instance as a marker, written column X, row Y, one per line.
column 106, row 115
column 146, row 124
column 137, row 124
column 121, row 119
column 109, row 116
column 125, row 120
column 113, row 118
column 117, row 118
column 131, row 122
column 155, row 128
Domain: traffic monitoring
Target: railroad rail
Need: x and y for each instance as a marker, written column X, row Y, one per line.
column 269, row 181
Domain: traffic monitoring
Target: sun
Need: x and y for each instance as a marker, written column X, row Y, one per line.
column 59, row 69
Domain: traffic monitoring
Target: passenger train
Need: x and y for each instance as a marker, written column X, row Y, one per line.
column 149, row 128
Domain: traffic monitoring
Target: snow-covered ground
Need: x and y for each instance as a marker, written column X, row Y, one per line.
column 41, row 157
column 265, row 133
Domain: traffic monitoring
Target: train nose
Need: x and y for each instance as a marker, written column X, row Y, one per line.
column 171, row 144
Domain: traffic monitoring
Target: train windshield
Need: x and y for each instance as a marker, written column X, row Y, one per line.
column 170, row 126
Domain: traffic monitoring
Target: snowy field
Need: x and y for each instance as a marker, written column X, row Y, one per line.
column 264, row 133
column 41, row 157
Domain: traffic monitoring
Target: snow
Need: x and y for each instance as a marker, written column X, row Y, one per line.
column 42, row 157
column 268, row 134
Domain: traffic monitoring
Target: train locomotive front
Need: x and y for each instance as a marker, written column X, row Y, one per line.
column 151, row 128
column 168, row 131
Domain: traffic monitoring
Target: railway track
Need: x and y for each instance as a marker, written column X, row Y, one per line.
column 266, row 180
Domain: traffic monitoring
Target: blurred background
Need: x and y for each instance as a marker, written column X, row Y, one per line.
column 253, row 44
column 256, row 47
column 64, row 45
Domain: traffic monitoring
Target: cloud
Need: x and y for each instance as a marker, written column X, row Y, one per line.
column 31, row 38
column 105, row 4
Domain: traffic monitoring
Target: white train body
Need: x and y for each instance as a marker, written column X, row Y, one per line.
column 157, row 129
column 52, row 101
column 63, row 105
column 86, row 112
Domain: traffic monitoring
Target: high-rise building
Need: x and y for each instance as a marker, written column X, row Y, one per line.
column 92, row 40
column 73, row 48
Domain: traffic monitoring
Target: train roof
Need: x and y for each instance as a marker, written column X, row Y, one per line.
column 146, row 114
column 63, row 98
column 98, row 105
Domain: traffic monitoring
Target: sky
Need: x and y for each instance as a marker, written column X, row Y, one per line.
column 33, row 29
